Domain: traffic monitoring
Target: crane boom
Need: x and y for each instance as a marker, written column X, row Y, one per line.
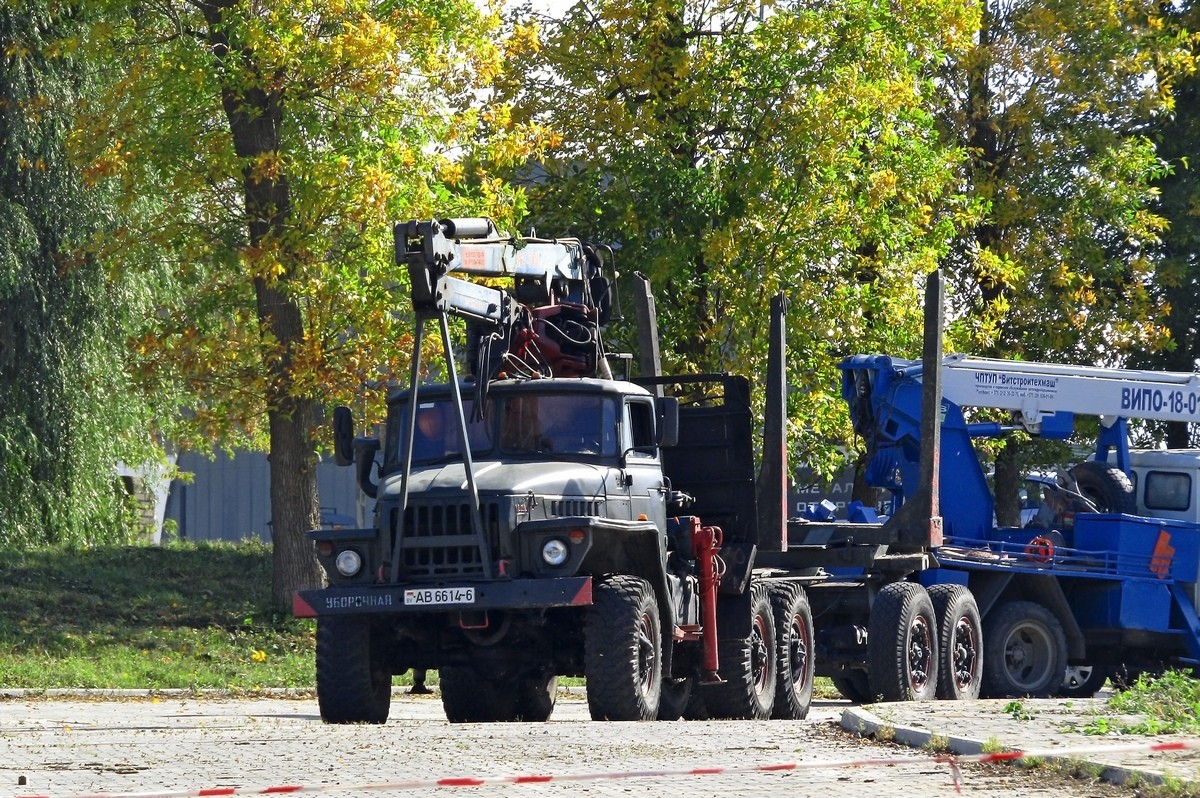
column 546, row 321
column 1035, row 391
column 543, row 270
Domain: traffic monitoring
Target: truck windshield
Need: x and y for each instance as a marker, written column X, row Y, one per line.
column 566, row 423
column 436, row 435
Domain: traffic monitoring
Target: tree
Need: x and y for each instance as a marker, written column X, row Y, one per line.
column 1050, row 105
column 734, row 149
column 276, row 142
column 1176, row 285
column 68, row 414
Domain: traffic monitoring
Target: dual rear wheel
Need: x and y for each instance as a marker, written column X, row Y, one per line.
column 768, row 673
column 922, row 644
column 902, row 644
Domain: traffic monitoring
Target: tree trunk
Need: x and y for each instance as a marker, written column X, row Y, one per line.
column 1007, row 485
column 295, row 506
column 255, row 114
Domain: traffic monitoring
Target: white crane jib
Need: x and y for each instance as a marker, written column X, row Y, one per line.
column 1033, row 391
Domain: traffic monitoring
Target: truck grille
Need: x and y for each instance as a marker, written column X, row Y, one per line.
column 566, row 507
column 439, row 542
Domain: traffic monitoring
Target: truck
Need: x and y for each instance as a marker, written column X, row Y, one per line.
column 546, row 514
column 1102, row 581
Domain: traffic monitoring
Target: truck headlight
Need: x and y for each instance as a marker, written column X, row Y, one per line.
column 348, row 563
column 555, row 552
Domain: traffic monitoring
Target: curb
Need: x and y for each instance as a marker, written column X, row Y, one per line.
column 864, row 723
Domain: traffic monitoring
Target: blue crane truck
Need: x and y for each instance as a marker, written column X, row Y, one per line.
column 1102, row 582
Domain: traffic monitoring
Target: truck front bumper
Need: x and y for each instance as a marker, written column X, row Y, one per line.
column 509, row 594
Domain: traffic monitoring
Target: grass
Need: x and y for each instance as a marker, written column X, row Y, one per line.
column 1167, row 704
column 178, row 616
column 1019, row 710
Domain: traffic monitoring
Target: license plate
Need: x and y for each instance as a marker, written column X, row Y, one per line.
column 440, row 595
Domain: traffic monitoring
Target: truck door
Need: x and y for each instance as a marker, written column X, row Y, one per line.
column 643, row 468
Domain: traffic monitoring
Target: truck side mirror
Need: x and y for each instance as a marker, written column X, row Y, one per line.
column 343, row 436
column 365, row 450
column 668, row 420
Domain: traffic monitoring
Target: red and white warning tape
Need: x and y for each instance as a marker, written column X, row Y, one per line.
column 1082, row 752
column 952, row 761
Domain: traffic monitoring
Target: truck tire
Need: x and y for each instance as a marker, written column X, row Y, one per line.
column 960, row 642
column 854, row 687
column 470, row 697
column 902, row 644
column 354, row 685
column 749, row 666
column 674, row 699
column 1025, row 653
column 1107, row 486
column 1082, row 681
column 622, row 653
column 536, row 697
column 696, row 709
column 794, row 631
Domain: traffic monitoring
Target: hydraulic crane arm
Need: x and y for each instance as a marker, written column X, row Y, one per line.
column 544, row 271
column 548, row 322
column 1036, row 391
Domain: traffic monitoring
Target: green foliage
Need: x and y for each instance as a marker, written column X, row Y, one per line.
column 68, row 413
column 374, row 117
column 732, row 154
column 262, row 152
column 1167, row 704
column 1099, row 726
column 1051, row 104
column 177, row 616
column 1019, row 710
column 1176, row 285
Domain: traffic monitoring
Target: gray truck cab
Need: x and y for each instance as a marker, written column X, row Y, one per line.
column 542, row 451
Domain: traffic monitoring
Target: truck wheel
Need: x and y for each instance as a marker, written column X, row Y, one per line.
column 749, row 666
column 469, row 697
column 622, row 654
column 854, row 687
column 536, row 696
column 675, row 697
column 793, row 628
column 902, row 645
column 960, row 642
column 1107, row 487
column 1082, row 681
column 354, row 685
column 696, row 709
column 1026, row 653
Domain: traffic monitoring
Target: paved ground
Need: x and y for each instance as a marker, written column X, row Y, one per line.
column 184, row 745
column 1042, row 726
